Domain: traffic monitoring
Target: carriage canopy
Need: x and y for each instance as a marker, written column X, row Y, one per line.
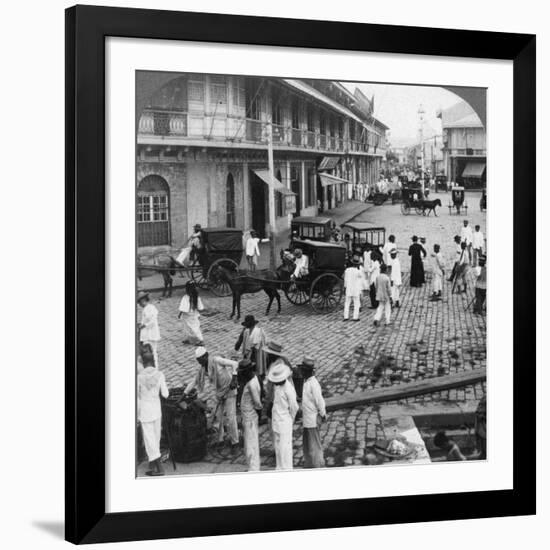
column 223, row 239
column 323, row 256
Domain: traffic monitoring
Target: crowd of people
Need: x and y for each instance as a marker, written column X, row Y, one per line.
column 261, row 384
column 258, row 385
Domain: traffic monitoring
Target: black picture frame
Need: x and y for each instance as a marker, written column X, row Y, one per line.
column 86, row 30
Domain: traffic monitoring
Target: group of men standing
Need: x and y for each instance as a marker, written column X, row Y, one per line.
column 262, row 383
column 378, row 272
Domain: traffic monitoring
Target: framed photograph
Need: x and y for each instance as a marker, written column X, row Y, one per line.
column 290, row 302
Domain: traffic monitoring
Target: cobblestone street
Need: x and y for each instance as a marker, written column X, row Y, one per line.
column 424, row 340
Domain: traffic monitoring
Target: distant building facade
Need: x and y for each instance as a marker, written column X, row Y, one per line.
column 464, row 146
column 202, row 153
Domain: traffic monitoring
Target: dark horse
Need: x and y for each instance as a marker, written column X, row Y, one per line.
column 429, row 206
column 250, row 282
column 163, row 264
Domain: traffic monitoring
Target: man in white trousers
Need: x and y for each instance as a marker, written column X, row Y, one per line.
column 251, row 406
column 285, row 407
column 438, row 273
column 354, row 284
column 383, row 296
column 149, row 332
column 222, row 375
column 395, row 277
column 151, row 384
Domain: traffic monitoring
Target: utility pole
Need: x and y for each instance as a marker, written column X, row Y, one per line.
column 421, row 113
column 271, row 194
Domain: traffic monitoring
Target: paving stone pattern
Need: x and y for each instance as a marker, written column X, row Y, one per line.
column 425, row 339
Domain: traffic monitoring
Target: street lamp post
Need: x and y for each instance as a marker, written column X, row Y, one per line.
column 421, row 113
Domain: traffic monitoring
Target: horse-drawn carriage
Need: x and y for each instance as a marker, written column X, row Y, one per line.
column 458, row 198
column 219, row 246
column 312, row 228
column 323, row 287
column 363, row 235
column 411, row 197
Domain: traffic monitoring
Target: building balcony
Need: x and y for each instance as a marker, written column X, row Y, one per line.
column 163, row 123
column 466, row 152
column 176, row 128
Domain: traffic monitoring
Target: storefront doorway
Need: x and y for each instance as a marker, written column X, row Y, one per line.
column 258, row 200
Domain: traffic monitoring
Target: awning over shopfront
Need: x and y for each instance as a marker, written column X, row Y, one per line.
column 277, row 185
column 328, row 163
column 329, row 179
column 473, row 170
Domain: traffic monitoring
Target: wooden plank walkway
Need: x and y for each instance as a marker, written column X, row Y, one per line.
column 402, row 391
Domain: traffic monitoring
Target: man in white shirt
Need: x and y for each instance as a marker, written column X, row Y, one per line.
column 466, row 236
column 395, row 277
column 313, row 408
column 222, row 375
column 251, row 406
column 438, row 273
column 252, row 251
column 354, row 284
column 194, row 244
column 478, row 244
column 149, row 332
column 388, row 247
column 283, row 412
column 301, row 264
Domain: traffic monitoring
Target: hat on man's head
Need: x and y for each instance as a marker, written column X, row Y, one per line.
column 394, row 252
column 279, row 372
column 307, row 363
column 249, row 321
column 274, row 348
column 355, row 260
column 200, row 351
column 245, row 365
column 482, row 257
column 197, row 226
column 142, row 296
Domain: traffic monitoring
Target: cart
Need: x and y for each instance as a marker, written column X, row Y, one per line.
column 220, row 246
column 411, row 197
column 323, row 287
column 457, row 198
column 312, row 228
column 363, row 235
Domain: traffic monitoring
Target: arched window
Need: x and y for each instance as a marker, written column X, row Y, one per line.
column 230, row 201
column 153, row 211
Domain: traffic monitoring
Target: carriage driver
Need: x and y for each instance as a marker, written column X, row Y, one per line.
column 301, row 264
column 193, row 245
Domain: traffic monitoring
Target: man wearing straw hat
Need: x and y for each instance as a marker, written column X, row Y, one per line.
column 354, row 283
column 222, row 375
column 395, row 276
column 251, row 406
column 285, row 407
column 149, row 332
column 313, row 408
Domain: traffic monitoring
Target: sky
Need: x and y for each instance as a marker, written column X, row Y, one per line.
column 397, row 107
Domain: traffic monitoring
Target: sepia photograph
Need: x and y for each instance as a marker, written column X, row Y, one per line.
column 311, row 260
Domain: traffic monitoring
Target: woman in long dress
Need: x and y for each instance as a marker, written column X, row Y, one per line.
column 416, row 251
column 189, row 309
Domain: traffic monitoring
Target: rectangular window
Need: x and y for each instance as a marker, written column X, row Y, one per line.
column 218, row 90
column 253, row 99
column 296, row 113
column 340, row 127
column 195, row 89
column 276, row 107
column 310, row 118
column 323, row 123
column 311, row 185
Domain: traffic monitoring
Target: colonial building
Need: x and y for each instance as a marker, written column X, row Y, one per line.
column 202, row 153
column 464, row 146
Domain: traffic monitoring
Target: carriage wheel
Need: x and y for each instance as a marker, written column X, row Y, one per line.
column 296, row 293
column 326, row 293
column 419, row 210
column 405, row 209
column 218, row 286
column 196, row 272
